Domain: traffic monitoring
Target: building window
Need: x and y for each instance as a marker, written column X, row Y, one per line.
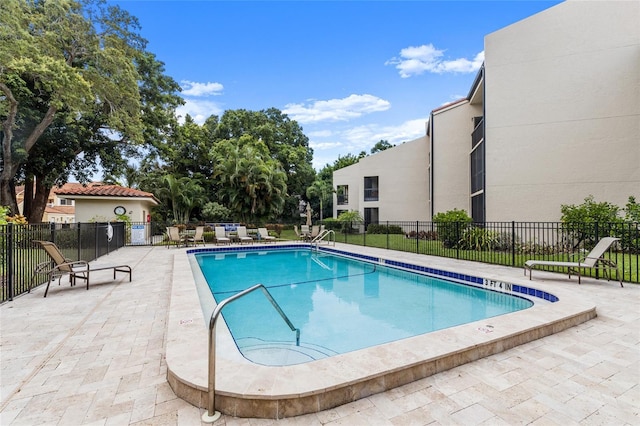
column 66, row 202
column 343, row 194
column 477, row 207
column 477, row 168
column 371, row 188
column 339, row 212
column 371, row 215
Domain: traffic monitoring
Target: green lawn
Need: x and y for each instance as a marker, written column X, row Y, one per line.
column 628, row 263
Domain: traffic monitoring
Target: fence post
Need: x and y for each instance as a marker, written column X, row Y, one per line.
column 78, row 239
column 417, row 237
column 9, row 267
column 387, row 235
column 52, row 227
column 364, row 235
column 513, row 243
column 457, row 240
column 597, row 231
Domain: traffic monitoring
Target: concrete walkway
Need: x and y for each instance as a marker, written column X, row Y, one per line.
column 96, row 357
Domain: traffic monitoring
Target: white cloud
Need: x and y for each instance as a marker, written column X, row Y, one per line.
column 198, row 109
column 415, row 60
column 363, row 138
column 192, row 88
column 320, row 146
column 353, row 106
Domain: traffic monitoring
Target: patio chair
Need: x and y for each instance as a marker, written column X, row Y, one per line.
column 198, row 237
column 221, row 236
column 298, row 234
column 304, row 230
column 264, row 235
column 174, row 237
column 79, row 269
column 593, row 260
column 243, row 236
column 315, row 231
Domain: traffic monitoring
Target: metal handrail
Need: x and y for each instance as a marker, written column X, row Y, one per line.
column 322, row 235
column 211, row 415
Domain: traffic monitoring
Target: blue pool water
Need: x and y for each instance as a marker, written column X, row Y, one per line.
column 339, row 304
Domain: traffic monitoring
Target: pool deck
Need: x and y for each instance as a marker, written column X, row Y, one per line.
column 99, row 357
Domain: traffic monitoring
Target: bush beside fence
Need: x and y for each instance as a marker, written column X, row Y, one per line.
column 502, row 243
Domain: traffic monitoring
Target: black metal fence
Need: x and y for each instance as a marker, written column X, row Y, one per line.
column 78, row 241
column 502, row 243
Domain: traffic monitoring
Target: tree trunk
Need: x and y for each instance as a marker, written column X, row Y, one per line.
column 40, row 199
column 8, row 195
column 27, row 197
column 10, row 166
column 9, row 170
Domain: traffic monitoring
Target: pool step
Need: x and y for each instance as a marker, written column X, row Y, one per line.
column 281, row 353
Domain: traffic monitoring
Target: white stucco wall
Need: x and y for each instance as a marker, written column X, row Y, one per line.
column 99, row 209
column 402, row 179
column 451, row 133
column 563, row 110
column 349, row 176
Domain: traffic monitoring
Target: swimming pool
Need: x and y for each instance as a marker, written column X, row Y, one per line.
column 247, row 389
column 339, row 304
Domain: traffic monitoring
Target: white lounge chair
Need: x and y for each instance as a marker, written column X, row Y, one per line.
column 593, row 260
column 221, row 235
column 243, row 236
column 315, row 231
column 295, row 229
column 264, row 235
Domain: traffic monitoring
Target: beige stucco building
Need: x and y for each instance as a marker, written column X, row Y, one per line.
column 389, row 185
column 97, row 202
column 551, row 118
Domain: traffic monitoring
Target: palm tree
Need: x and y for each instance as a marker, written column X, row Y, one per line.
column 321, row 189
column 183, row 194
column 252, row 184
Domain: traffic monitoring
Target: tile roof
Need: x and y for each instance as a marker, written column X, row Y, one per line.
column 97, row 189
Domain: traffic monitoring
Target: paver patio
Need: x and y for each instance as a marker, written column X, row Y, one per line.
column 96, row 357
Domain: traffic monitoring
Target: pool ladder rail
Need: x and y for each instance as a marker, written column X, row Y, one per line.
column 325, row 233
column 211, row 415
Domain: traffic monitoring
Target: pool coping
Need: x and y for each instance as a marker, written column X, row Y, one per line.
column 245, row 389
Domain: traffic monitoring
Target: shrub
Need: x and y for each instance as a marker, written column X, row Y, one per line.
column 632, row 210
column 583, row 222
column 422, row 235
column 275, row 227
column 332, row 224
column 384, row 229
column 475, row 238
column 347, row 219
column 451, row 225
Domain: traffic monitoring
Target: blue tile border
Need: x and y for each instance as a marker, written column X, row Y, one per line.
column 488, row 284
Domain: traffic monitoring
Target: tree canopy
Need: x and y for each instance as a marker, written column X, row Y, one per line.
column 252, row 184
column 78, row 90
column 80, row 93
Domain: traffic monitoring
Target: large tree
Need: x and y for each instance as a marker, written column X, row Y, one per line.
column 75, row 78
column 320, row 190
column 183, row 195
column 285, row 142
column 252, row 184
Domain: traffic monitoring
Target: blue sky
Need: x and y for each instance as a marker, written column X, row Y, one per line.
column 350, row 72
